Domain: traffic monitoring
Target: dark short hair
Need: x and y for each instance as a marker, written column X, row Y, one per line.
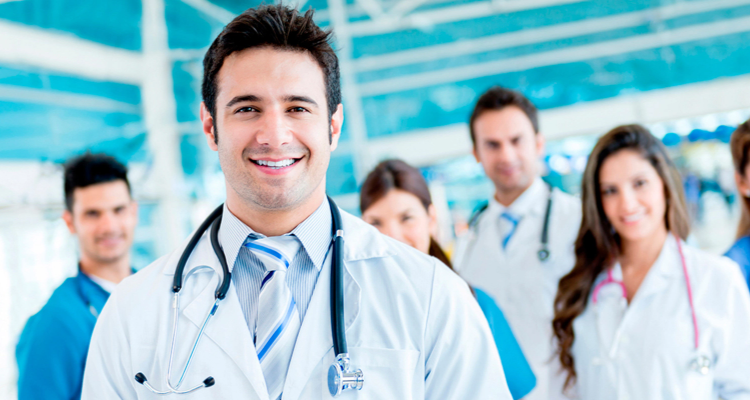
column 91, row 169
column 279, row 27
column 497, row 98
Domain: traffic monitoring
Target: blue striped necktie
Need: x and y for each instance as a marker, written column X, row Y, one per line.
column 278, row 317
column 508, row 225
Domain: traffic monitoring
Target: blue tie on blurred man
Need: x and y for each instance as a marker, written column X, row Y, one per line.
column 100, row 211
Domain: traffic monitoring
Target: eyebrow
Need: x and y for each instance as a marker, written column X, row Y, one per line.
column 242, row 99
column 254, row 98
column 639, row 175
column 303, row 99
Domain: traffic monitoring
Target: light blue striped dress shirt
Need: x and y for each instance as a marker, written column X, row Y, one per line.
column 247, row 270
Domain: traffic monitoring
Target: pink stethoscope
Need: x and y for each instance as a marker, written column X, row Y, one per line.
column 701, row 363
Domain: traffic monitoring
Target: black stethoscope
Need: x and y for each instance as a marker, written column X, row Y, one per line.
column 82, row 293
column 544, row 252
column 340, row 377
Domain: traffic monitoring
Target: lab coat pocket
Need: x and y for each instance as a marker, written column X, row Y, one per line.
column 388, row 373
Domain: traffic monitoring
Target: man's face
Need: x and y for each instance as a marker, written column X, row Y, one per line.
column 508, row 148
column 273, row 128
column 104, row 219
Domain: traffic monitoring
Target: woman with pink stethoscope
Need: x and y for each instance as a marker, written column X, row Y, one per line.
column 642, row 315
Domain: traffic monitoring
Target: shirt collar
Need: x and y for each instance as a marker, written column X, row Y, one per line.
column 233, row 232
column 108, row 286
column 667, row 265
column 316, row 233
column 532, row 201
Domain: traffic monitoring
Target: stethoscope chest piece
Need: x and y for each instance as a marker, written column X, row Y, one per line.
column 341, row 378
column 543, row 254
column 701, row 364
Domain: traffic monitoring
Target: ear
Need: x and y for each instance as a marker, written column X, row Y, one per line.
column 475, row 153
column 134, row 209
column 67, row 216
column 743, row 186
column 337, row 123
column 207, row 122
column 540, row 143
column 432, row 215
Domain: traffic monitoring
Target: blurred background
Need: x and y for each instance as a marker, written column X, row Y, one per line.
column 123, row 77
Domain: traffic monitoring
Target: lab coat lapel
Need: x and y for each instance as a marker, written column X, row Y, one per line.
column 314, row 340
column 658, row 277
column 609, row 310
column 227, row 328
column 612, row 320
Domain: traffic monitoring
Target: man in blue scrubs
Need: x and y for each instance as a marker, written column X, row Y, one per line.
column 51, row 352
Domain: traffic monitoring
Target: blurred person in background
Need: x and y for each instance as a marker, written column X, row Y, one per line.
column 740, row 147
column 643, row 315
column 101, row 213
column 396, row 200
column 520, row 244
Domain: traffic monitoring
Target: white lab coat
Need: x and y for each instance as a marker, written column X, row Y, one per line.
column 411, row 325
column 523, row 286
column 644, row 351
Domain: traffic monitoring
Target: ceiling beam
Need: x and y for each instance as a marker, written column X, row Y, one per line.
column 596, row 117
column 557, row 57
column 478, row 9
column 218, row 13
column 538, row 35
column 65, row 53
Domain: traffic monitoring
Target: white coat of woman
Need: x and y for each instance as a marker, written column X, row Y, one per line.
column 642, row 315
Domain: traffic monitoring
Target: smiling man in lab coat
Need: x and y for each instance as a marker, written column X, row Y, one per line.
column 504, row 253
column 273, row 113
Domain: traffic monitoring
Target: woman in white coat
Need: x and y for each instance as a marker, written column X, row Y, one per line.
column 642, row 315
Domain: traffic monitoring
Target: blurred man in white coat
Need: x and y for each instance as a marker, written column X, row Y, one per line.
column 272, row 110
column 520, row 243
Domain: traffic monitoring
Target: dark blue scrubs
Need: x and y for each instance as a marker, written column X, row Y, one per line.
column 51, row 352
column 518, row 373
column 740, row 253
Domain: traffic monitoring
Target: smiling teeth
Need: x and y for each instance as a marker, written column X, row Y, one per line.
column 276, row 164
column 633, row 218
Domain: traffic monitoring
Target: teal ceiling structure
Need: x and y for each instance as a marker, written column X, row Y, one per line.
column 411, row 65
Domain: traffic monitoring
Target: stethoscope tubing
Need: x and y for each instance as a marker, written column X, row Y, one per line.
column 689, row 292
column 213, row 221
column 610, row 280
column 337, row 287
column 543, row 253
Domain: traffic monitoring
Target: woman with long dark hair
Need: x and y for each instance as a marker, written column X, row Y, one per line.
column 396, row 200
column 642, row 315
column 740, row 146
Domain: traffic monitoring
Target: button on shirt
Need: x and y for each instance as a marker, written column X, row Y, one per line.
column 248, row 271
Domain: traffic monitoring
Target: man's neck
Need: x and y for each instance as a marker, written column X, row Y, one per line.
column 114, row 271
column 507, row 197
column 274, row 222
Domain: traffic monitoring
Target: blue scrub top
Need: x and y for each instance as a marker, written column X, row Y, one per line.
column 51, row 352
column 740, row 253
column 518, row 373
